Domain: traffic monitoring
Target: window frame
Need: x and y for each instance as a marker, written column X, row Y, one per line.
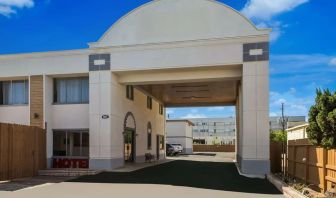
column 130, row 92
column 55, row 94
column 66, row 131
column 149, row 102
column 161, row 109
column 149, row 136
column 26, row 88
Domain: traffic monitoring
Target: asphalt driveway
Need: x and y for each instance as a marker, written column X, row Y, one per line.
column 222, row 176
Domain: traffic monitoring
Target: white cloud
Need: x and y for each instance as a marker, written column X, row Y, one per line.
column 333, row 62
column 265, row 9
column 9, row 7
column 216, row 108
column 294, row 105
column 191, row 115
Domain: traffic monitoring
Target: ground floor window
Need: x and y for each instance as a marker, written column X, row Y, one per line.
column 71, row 143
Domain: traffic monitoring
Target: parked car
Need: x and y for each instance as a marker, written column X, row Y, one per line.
column 169, row 150
column 178, row 148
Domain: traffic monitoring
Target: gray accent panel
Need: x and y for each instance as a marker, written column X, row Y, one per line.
column 106, row 164
column 105, row 57
column 250, row 46
column 254, row 167
column 187, row 150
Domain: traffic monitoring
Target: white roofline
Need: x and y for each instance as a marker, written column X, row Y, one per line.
column 296, row 127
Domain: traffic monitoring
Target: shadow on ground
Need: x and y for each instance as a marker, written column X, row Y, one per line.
column 19, row 184
column 206, row 175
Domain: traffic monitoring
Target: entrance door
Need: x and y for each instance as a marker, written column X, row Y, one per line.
column 158, row 147
column 129, row 145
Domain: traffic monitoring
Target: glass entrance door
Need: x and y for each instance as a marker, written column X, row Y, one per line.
column 129, row 146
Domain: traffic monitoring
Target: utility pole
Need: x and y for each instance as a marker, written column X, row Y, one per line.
column 283, row 124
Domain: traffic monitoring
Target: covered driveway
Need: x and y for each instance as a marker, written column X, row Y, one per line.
column 200, row 175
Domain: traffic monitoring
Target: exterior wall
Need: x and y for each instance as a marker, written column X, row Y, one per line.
column 180, row 132
column 108, row 97
column 15, row 114
column 298, row 132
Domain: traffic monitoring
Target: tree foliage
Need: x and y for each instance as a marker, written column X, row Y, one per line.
column 278, row 136
column 322, row 120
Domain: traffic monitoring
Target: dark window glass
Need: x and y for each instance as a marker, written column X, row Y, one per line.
column 149, row 136
column 71, row 143
column 160, row 109
column 14, row 92
column 149, row 102
column 130, row 92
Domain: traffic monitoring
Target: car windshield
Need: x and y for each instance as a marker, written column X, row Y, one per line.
column 176, row 144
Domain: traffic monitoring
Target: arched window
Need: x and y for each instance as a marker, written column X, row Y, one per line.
column 149, row 136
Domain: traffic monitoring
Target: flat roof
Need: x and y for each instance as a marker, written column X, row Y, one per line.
column 297, row 127
column 187, row 121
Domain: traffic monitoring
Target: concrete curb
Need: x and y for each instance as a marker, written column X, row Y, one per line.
column 284, row 188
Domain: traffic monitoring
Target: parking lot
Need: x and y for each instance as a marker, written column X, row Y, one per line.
column 201, row 175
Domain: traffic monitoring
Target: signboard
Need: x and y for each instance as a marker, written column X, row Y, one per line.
column 70, row 163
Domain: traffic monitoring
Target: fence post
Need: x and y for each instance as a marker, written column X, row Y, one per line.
column 324, row 172
column 294, row 160
column 307, row 165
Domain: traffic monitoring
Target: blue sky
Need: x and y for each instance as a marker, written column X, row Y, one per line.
column 303, row 52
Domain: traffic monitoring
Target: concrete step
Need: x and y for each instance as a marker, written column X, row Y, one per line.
column 67, row 172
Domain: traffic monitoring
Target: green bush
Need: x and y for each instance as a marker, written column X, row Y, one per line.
column 278, row 136
column 322, row 120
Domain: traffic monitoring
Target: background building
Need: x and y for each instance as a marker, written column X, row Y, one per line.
column 180, row 132
column 297, row 132
column 214, row 130
column 291, row 121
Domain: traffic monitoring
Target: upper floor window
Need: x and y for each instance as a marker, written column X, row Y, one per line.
column 149, row 102
column 71, row 90
column 160, row 109
column 149, row 136
column 14, row 92
column 130, row 92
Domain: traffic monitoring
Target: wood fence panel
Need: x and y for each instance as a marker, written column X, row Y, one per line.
column 275, row 156
column 313, row 165
column 213, row 148
column 22, row 151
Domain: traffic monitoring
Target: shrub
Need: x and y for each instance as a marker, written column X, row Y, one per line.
column 278, row 136
column 322, row 120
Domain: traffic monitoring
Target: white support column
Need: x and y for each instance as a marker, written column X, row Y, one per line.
column 100, row 120
column 254, row 156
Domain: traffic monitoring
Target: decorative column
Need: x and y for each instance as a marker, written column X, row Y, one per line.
column 254, row 153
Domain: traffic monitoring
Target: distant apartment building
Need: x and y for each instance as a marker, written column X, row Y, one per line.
column 223, row 130
column 214, row 130
column 290, row 121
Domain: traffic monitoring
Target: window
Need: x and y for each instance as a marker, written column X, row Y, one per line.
column 130, row 92
column 161, row 138
column 14, row 92
column 71, row 143
column 149, row 102
column 71, row 90
column 160, row 109
column 149, row 136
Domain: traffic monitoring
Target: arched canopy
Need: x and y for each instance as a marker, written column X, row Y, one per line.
column 178, row 20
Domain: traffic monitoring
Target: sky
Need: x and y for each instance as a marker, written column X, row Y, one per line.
column 302, row 59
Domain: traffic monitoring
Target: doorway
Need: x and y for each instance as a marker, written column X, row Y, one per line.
column 129, row 145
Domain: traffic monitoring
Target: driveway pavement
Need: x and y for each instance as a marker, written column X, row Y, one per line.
column 187, row 176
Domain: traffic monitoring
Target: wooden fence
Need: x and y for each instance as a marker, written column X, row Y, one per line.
column 213, row 148
column 276, row 156
column 311, row 164
column 22, row 151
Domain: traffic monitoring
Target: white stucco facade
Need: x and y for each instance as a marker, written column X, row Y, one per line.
column 180, row 132
column 161, row 46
